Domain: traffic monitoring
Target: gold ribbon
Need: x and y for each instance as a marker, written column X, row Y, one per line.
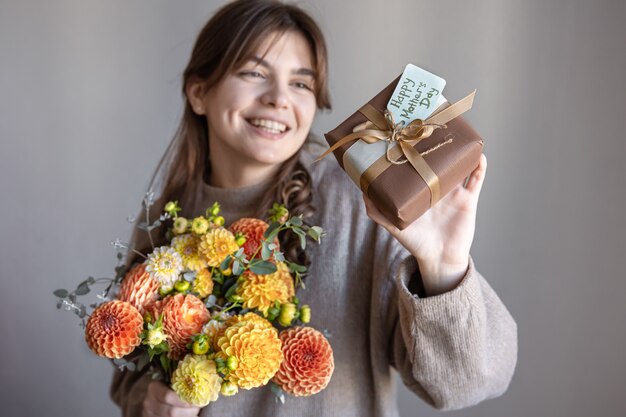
column 381, row 126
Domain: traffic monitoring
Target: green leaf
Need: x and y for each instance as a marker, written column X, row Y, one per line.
column 263, row 267
column 231, row 291
column 61, row 293
column 315, row 232
column 266, row 252
column 294, row 267
column 82, row 289
column 225, row 263
column 237, row 268
column 271, row 231
column 279, row 256
column 296, row 221
column 165, row 363
column 302, row 237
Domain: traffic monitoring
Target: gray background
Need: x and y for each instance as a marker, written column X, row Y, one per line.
column 89, row 98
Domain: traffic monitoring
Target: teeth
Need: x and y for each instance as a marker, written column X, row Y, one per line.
column 269, row 125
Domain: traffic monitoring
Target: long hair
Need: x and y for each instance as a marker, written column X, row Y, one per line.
column 229, row 38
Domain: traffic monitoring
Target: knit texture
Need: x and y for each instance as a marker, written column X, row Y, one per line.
column 453, row 350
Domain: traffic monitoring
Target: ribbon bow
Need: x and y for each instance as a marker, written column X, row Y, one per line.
column 381, row 126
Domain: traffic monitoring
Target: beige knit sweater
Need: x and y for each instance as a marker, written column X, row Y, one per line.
column 453, row 350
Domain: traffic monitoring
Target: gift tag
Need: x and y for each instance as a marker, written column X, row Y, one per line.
column 416, row 96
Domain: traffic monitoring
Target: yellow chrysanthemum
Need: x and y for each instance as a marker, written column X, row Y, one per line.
column 164, row 264
column 257, row 350
column 216, row 245
column 203, row 284
column 260, row 291
column 187, row 247
column 196, row 381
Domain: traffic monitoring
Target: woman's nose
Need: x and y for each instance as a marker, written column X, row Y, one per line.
column 275, row 96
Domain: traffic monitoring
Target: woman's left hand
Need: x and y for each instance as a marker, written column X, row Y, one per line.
column 441, row 238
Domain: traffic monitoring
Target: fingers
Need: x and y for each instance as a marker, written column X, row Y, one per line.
column 162, row 401
column 477, row 178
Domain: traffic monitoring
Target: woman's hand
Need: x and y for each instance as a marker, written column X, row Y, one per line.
column 162, row 401
column 441, row 238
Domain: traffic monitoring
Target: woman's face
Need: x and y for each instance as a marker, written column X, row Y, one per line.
column 261, row 114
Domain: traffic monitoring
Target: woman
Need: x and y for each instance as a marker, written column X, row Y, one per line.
column 408, row 299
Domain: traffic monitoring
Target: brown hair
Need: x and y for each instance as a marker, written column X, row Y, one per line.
column 233, row 33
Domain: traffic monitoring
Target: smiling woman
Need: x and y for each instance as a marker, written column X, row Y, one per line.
column 260, row 114
column 409, row 299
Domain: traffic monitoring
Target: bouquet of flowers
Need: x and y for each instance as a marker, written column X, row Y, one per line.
column 212, row 312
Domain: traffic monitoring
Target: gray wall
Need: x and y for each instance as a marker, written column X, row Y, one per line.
column 89, row 98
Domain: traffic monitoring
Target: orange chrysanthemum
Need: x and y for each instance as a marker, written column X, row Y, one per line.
column 257, row 350
column 253, row 230
column 260, row 291
column 113, row 329
column 139, row 288
column 216, row 245
column 308, row 363
column 183, row 316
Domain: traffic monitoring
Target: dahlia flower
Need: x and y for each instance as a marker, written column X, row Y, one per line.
column 260, row 291
column 203, row 284
column 196, row 381
column 139, row 288
column 183, row 316
column 187, row 247
column 257, row 350
column 113, row 329
column 216, row 245
column 253, row 230
column 308, row 363
column 164, row 264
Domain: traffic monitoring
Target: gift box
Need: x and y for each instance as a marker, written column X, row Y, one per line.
column 406, row 168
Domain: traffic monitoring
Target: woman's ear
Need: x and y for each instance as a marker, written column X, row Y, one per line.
column 195, row 91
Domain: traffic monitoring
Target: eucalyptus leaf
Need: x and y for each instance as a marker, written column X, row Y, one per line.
column 210, row 301
column 61, row 293
column 266, row 251
column 263, row 267
column 296, row 221
column 271, row 231
column 279, row 256
column 225, row 263
column 231, row 290
column 237, row 268
column 279, row 395
column 82, row 289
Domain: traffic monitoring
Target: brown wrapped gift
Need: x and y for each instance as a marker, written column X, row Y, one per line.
column 452, row 152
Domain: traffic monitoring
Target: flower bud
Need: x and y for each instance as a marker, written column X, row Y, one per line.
column 287, row 313
column 180, row 225
column 240, row 239
column 199, row 225
column 235, row 298
column 231, row 363
column 155, row 337
column 200, row 345
column 226, row 272
column 305, row 314
column 218, row 221
column 182, row 285
column 228, row 389
column 214, row 210
column 165, row 290
column 172, row 208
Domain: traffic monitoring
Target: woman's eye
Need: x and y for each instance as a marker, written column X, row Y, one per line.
column 251, row 74
column 303, row 85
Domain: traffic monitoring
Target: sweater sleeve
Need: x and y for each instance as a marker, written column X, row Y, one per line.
column 454, row 349
column 128, row 390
